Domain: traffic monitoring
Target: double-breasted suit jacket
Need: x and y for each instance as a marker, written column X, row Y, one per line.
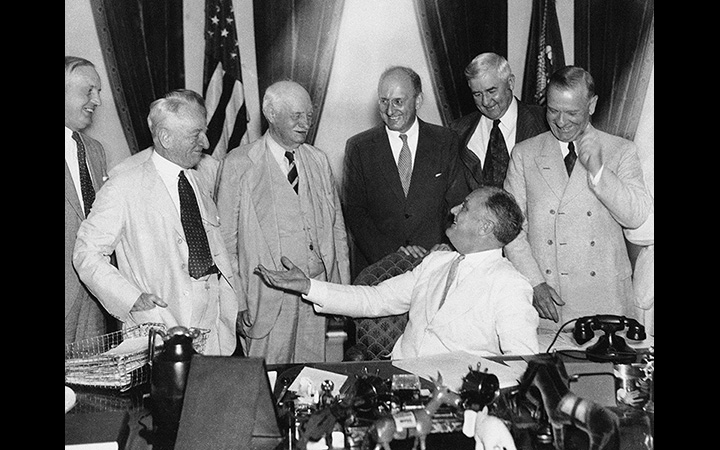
column 379, row 216
column 84, row 317
column 572, row 236
column 531, row 121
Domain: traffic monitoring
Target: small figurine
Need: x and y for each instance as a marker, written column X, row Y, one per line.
column 384, row 430
column 489, row 431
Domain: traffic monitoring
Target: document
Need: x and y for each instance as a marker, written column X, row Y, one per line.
column 311, row 379
column 454, row 366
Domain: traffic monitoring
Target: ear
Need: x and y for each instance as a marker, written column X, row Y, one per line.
column 511, row 82
column 593, row 103
column 164, row 137
column 419, row 101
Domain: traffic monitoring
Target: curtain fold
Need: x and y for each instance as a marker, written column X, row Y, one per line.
column 453, row 32
column 545, row 52
column 615, row 42
column 295, row 39
column 142, row 46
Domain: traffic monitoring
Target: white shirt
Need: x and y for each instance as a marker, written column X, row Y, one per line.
column 488, row 310
column 71, row 159
column 478, row 142
column 278, row 152
column 565, row 150
column 169, row 172
column 396, row 142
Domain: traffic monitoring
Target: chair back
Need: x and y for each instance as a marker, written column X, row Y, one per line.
column 376, row 336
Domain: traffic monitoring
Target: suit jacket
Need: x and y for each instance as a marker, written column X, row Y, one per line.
column 134, row 215
column 531, row 121
column 84, row 317
column 572, row 236
column 379, row 216
column 252, row 225
column 489, row 312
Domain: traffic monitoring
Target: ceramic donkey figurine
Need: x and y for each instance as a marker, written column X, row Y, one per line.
column 419, row 421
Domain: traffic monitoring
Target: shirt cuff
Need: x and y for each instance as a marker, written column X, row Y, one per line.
column 596, row 179
column 317, row 290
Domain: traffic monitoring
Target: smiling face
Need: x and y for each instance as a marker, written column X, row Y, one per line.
column 491, row 93
column 568, row 111
column 470, row 222
column 290, row 114
column 397, row 100
column 82, row 96
column 183, row 136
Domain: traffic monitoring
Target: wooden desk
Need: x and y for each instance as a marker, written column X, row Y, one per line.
column 634, row 423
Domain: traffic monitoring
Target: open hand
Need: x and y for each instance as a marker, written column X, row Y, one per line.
column 147, row 301
column 544, row 300
column 292, row 279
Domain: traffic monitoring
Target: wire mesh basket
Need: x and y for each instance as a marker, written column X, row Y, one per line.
column 117, row 360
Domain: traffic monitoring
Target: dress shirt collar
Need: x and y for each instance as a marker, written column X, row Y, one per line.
column 477, row 258
column 165, row 166
column 278, row 152
column 508, row 121
column 412, row 134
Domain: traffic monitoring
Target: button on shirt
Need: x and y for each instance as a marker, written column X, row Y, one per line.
column 71, row 159
column 478, row 142
column 396, row 143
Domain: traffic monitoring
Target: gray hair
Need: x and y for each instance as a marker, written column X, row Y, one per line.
column 73, row 62
column 171, row 103
column 414, row 77
column 485, row 62
column 569, row 77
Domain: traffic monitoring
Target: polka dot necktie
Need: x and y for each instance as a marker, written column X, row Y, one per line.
column 200, row 261
column 570, row 158
column 405, row 164
column 86, row 186
column 293, row 173
column 496, row 158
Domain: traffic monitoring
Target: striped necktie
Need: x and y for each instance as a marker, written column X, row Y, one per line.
column 405, row 164
column 86, row 186
column 292, row 173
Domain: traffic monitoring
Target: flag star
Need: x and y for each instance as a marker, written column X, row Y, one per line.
column 229, row 19
column 233, row 55
column 215, row 20
column 224, row 32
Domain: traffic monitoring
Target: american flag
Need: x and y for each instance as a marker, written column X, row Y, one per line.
column 545, row 51
column 222, row 80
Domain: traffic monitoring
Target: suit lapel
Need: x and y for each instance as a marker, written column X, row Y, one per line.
column 467, row 156
column 551, row 167
column 425, row 160
column 385, row 162
column 261, row 180
column 71, row 194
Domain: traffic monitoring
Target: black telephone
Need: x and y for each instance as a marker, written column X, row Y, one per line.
column 609, row 347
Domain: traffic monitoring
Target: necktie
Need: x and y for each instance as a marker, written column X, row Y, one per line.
column 293, row 173
column 496, row 157
column 200, row 260
column 86, row 187
column 570, row 158
column 451, row 277
column 405, row 164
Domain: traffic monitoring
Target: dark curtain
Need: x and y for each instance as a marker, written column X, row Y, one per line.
column 295, row 39
column 142, row 43
column 545, row 52
column 615, row 42
column 453, row 33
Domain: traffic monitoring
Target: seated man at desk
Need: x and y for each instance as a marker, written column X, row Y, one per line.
column 472, row 299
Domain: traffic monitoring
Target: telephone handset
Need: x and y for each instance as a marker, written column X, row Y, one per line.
column 609, row 347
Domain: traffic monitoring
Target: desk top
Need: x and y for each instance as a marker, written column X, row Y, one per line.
column 137, row 403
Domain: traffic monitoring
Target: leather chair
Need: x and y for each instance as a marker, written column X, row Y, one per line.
column 376, row 336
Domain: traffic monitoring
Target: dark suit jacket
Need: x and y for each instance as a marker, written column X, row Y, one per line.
column 531, row 121
column 379, row 217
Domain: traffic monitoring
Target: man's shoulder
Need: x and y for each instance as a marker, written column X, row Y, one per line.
column 131, row 162
column 367, row 136
column 532, row 144
column 436, row 132
column 466, row 121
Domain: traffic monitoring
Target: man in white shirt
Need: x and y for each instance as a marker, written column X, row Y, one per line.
column 141, row 214
column 485, row 309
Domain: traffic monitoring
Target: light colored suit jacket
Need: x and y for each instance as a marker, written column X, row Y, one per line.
column 134, row 215
column 572, row 236
column 489, row 312
column 250, row 224
column 83, row 314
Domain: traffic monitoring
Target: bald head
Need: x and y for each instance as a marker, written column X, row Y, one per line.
column 289, row 112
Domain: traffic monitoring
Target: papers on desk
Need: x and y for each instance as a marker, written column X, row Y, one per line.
column 311, row 379
column 455, row 365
